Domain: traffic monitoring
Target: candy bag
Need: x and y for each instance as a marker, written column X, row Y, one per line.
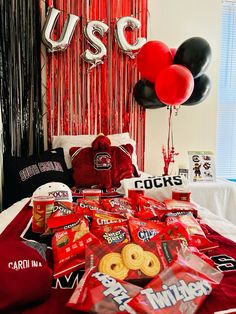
column 179, row 289
column 102, row 294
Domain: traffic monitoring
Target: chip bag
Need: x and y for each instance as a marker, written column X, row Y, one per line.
column 196, row 236
column 102, row 219
column 87, row 207
column 144, row 230
column 113, row 233
column 69, row 248
column 118, row 205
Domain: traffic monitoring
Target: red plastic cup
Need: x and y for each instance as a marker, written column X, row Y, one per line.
column 133, row 196
column 181, row 195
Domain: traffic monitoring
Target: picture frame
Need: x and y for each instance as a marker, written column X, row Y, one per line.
column 201, row 166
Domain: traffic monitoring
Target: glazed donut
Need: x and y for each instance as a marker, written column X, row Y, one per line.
column 111, row 264
column 132, row 256
column 151, row 265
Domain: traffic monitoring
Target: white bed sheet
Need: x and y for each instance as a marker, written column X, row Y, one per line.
column 219, row 197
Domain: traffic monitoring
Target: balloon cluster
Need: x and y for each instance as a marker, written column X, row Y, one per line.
column 173, row 77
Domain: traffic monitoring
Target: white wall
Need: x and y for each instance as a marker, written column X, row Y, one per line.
column 172, row 22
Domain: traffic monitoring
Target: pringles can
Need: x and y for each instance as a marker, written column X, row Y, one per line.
column 41, row 205
column 92, row 194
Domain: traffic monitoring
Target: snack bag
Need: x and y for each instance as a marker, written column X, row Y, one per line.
column 60, row 209
column 143, row 230
column 102, row 294
column 69, row 249
column 196, row 236
column 102, row 219
column 118, row 205
column 150, row 230
column 125, row 261
column 60, row 223
column 113, row 233
column 150, row 208
column 179, row 289
column 87, row 207
column 180, row 205
column 149, row 204
column 63, row 242
column 132, row 262
column 176, row 231
column 133, row 196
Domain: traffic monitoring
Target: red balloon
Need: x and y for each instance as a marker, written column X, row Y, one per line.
column 174, row 85
column 152, row 58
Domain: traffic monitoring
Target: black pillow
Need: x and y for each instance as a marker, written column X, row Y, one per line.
column 23, row 175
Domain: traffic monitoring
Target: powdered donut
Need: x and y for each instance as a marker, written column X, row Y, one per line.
column 132, row 256
column 111, row 264
column 151, row 265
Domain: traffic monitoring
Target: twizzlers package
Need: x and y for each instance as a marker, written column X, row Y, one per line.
column 179, row 289
column 100, row 293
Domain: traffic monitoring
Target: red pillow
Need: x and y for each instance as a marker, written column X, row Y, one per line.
column 101, row 165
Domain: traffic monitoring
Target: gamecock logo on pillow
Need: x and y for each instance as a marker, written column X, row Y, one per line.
column 102, row 161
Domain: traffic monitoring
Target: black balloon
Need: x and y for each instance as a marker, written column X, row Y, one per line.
column 202, row 87
column 145, row 95
column 194, row 54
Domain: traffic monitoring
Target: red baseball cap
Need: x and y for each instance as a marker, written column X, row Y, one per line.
column 24, row 275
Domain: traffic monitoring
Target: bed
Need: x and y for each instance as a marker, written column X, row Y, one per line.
column 15, row 223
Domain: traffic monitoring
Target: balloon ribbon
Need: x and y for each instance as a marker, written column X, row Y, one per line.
column 168, row 156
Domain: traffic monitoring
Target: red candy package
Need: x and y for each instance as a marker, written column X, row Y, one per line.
column 102, row 294
column 179, row 289
column 113, row 233
column 118, row 205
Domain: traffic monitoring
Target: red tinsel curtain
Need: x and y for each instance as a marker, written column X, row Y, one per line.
column 84, row 101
